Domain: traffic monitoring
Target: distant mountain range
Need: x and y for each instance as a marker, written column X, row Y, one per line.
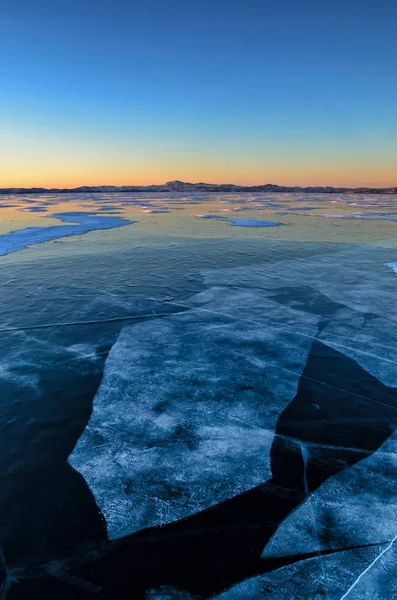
column 181, row 186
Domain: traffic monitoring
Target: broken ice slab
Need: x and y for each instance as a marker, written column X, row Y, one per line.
column 185, row 415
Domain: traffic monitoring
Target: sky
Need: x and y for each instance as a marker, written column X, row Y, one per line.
column 293, row 92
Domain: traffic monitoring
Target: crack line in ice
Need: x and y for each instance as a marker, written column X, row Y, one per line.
column 151, row 315
column 76, row 323
column 307, row 444
column 368, row 568
column 277, row 366
column 326, row 334
column 273, row 327
column 270, row 431
column 362, row 352
column 9, row 577
column 329, row 552
column 305, row 457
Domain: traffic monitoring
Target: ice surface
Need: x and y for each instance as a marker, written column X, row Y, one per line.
column 212, row 341
column 187, row 409
column 211, row 217
column 83, row 222
column 318, row 578
column 242, row 222
column 163, row 378
column 34, row 209
column 392, row 265
column 185, row 414
column 363, row 216
column 253, row 223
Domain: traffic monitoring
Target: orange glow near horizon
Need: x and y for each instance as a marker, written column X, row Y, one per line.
column 199, row 92
column 367, row 176
column 30, row 160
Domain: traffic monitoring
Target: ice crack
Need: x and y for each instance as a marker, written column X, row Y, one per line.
column 355, row 583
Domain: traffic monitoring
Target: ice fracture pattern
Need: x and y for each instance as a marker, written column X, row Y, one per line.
column 197, row 410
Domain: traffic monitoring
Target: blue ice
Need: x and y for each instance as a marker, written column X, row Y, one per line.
column 253, row 223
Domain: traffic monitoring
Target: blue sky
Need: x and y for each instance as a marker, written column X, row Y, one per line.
column 250, row 92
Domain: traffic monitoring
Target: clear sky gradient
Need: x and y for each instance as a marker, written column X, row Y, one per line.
column 242, row 91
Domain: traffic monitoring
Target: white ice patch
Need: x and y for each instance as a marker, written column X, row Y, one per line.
column 82, row 222
column 392, row 265
column 185, row 415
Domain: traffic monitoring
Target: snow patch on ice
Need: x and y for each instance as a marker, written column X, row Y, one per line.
column 81, row 222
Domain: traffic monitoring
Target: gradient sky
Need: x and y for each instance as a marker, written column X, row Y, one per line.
column 244, row 91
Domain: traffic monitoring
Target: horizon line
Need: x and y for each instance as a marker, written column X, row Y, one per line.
column 180, row 184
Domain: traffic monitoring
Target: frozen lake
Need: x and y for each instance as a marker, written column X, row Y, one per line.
column 199, row 396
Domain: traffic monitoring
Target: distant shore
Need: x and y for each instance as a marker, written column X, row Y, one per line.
column 183, row 187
